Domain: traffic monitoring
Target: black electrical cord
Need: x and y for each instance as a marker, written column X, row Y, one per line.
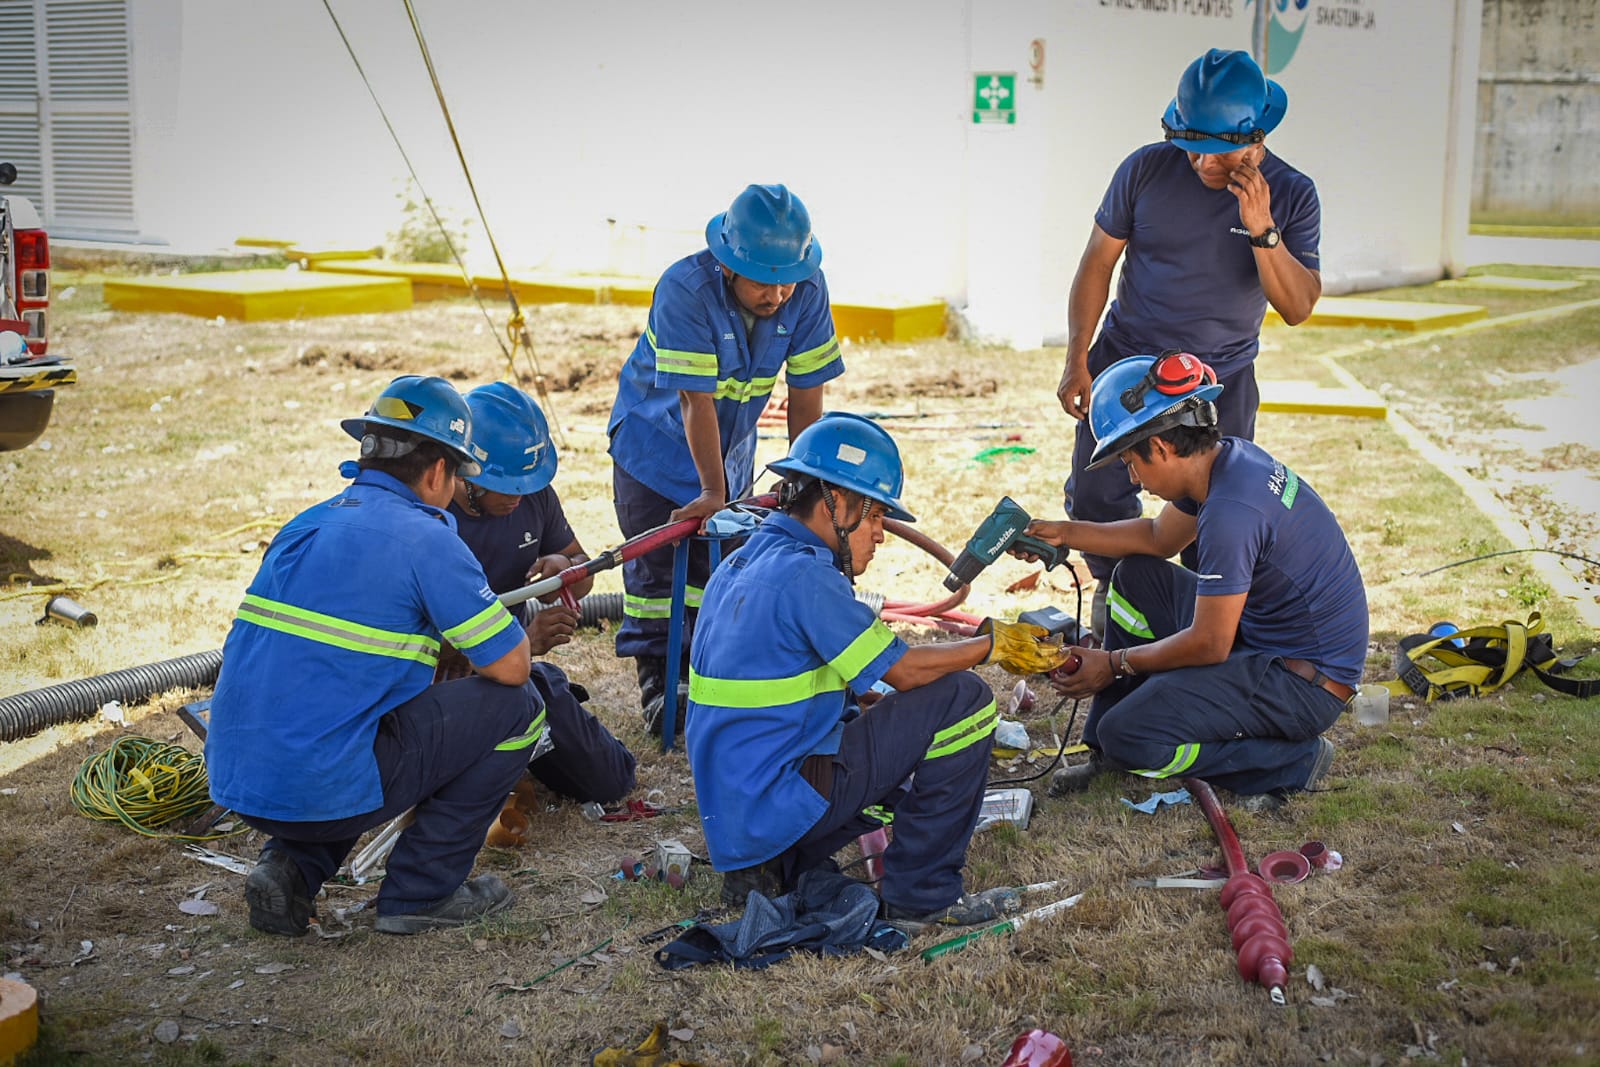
column 1510, row 552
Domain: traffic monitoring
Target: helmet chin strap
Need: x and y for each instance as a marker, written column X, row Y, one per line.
column 846, row 563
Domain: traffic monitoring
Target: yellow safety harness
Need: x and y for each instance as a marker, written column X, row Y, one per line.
column 1482, row 659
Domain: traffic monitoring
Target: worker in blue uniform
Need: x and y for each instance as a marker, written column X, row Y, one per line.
column 783, row 764
column 325, row 721
column 1233, row 670
column 1211, row 227
column 724, row 324
column 511, row 518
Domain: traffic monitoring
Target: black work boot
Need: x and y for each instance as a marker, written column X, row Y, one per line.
column 480, row 898
column 1076, row 779
column 764, row 878
column 276, row 893
column 969, row 909
column 652, row 692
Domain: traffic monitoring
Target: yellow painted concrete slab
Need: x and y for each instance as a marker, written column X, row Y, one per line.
column 889, row 321
column 326, row 255
column 1390, row 314
column 1510, row 284
column 257, row 295
column 1307, row 398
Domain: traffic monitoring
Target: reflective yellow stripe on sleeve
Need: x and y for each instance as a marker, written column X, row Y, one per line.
column 672, row 361
column 482, row 626
column 813, row 359
column 340, row 633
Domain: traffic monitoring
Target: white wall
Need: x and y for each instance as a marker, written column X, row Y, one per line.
column 252, row 120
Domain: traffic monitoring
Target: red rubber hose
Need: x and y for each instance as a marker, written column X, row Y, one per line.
column 1255, row 925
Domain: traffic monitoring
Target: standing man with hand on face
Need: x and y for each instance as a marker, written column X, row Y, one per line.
column 1232, row 671
column 1211, row 227
column 509, row 515
column 724, row 323
column 326, row 721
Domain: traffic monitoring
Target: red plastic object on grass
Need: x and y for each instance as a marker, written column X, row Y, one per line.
column 1039, row 1048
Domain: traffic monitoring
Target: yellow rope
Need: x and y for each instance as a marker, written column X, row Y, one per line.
column 145, row 784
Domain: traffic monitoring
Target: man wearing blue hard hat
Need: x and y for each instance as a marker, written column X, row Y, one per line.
column 724, row 324
column 326, row 720
column 784, row 766
column 511, row 518
column 1230, row 671
column 1210, row 227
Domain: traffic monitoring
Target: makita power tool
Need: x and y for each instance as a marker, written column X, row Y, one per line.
column 1000, row 531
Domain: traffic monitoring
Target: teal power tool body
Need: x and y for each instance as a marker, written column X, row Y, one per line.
column 1002, row 530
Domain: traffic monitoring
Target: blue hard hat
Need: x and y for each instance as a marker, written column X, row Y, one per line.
column 512, row 439
column 1224, row 102
column 427, row 407
column 765, row 235
column 1142, row 396
column 852, row 452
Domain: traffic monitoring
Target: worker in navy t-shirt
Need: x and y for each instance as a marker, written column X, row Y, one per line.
column 724, row 324
column 510, row 517
column 1232, row 671
column 1210, row 227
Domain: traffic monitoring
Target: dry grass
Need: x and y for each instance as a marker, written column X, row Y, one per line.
column 1465, row 828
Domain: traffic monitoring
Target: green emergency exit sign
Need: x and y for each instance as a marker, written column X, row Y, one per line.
column 994, row 97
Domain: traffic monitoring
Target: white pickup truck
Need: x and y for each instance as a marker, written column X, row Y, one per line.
column 29, row 376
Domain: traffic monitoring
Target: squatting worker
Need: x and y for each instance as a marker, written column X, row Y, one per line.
column 724, row 323
column 326, row 721
column 784, row 766
column 1233, row 670
column 511, row 518
column 1210, row 227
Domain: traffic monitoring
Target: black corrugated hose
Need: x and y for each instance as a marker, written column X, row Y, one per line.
column 25, row 714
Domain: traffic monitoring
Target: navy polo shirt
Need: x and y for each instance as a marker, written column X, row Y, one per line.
column 1264, row 532
column 508, row 545
column 780, row 638
column 341, row 624
column 696, row 341
column 1189, row 278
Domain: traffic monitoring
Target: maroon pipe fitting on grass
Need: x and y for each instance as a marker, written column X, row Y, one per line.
column 1255, row 925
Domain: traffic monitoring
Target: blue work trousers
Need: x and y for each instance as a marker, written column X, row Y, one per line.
column 1106, row 494
column 587, row 763
column 1248, row 724
column 939, row 736
column 436, row 752
column 647, row 579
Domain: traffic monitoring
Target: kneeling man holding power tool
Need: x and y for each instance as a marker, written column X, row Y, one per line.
column 783, row 762
column 1232, row 671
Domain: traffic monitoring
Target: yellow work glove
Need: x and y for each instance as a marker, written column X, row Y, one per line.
column 1017, row 647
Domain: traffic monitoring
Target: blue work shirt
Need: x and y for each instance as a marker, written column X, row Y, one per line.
column 1264, row 532
column 780, row 637
column 508, row 545
column 1189, row 278
column 341, row 625
column 696, row 341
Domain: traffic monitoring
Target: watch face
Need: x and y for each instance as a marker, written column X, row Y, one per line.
column 1270, row 238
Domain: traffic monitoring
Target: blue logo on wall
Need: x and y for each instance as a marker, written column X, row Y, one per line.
column 1286, row 24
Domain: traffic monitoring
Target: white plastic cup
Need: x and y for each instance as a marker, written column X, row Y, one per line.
column 1372, row 705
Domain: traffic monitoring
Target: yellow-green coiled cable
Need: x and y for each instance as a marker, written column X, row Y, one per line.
column 144, row 784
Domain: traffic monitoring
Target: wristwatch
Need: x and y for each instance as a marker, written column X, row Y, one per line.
column 1268, row 238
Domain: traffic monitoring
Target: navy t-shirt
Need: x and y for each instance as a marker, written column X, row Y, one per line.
column 507, row 545
column 1189, row 278
column 1264, row 532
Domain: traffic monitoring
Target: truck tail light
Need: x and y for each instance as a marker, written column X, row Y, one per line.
column 33, row 286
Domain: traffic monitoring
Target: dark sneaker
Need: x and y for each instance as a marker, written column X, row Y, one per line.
column 652, row 678
column 1262, row 803
column 764, row 878
column 477, row 899
column 654, row 710
column 969, row 909
column 276, row 893
column 1076, row 779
